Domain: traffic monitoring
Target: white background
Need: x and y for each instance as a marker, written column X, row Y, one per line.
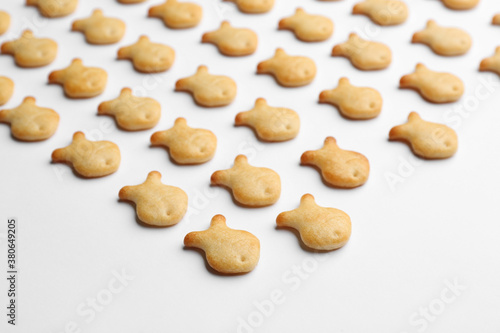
column 441, row 223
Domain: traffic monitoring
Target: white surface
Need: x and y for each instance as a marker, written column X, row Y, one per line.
column 441, row 223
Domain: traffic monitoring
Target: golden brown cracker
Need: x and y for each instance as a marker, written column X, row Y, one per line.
column 426, row 139
column 29, row 122
column 232, row 41
column 491, row 64
column 308, row 27
column 496, row 19
column 148, row 57
column 254, row 6
column 460, row 4
column 99, row 29
column 320, row 228
column 270, row 123
column 339, row 168
column 4, row 22
column 132, row 113
column 79, row 81
column 353, row 102
column 289, row 71
column 227, row 250
column 363, row 54
column 130, row 2
column 90, row 159
column 208, row 90
column 433, row 86
column 156, row 204
column 187, row 145
column 443, row 41
column 29, row 51
column 177, row 15
column 54, row 8
column 6, row 89
column 251, row 186
column 383, row 12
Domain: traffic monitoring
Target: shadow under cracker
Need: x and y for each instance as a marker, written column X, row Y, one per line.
column 14, row 63
column 139, row 222
column 207, row 265
column 301, row 242
column 425, row 98
column 167, row 150
column 346, row 117
column 301, row 39
column 282, row 85
column 149, row 70
column 66, row 95
column 374, row 70
column 200, row 105
column 117, row 125
column 408, row 143
column 259, row 138
column 239, row 204
column 24, row 141
column 327, row 183
column 70, row 165
column 230, row 56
